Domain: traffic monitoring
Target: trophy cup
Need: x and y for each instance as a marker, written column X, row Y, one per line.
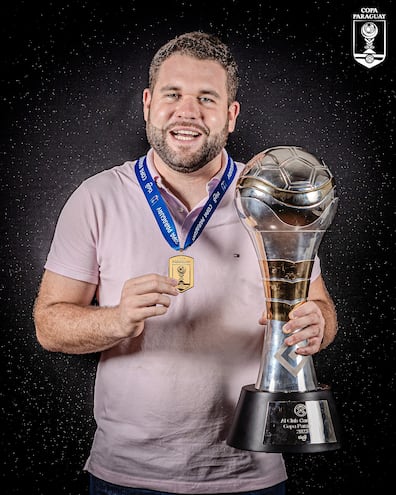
column 285, row 198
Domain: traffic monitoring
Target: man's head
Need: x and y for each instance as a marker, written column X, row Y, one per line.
column 202, row 46
column 190, row 105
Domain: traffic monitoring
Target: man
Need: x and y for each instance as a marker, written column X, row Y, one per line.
column 181, row 332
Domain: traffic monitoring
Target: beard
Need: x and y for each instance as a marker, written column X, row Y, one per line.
column 183, row 160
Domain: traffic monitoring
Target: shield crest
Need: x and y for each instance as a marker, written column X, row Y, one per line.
column 369, row 42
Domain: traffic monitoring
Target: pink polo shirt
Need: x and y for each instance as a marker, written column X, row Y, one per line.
column 164, row 401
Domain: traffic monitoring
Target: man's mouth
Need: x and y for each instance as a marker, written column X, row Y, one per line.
column 185, row 134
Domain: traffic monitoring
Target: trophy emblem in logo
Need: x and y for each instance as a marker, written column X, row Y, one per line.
column 369, row 37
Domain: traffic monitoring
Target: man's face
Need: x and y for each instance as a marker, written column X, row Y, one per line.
column 187, row 115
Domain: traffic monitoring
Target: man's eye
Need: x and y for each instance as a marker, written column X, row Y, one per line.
column 172, row 96
column 206, row 99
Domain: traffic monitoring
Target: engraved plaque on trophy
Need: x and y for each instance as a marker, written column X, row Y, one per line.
column 286, row 199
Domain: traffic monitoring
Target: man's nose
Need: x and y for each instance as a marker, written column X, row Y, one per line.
column 188, row 107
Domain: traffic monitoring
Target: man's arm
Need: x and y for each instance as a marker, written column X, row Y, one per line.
column 319, row 294
column 66, row 321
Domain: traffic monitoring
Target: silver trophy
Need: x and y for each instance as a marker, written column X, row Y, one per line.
column 286, row 199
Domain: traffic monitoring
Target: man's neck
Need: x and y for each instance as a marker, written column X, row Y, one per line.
column 189, row 188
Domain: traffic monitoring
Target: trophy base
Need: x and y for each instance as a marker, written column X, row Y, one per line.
column 295, row 422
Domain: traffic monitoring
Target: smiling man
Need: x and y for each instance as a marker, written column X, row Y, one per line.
column 189, row 119
column 159, row 244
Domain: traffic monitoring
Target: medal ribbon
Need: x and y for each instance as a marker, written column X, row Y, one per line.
column 160, row 209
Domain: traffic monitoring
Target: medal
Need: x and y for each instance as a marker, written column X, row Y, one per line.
column 181, row 268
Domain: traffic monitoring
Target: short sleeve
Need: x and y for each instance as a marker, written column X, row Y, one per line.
column 73, row 250
column 316, row 270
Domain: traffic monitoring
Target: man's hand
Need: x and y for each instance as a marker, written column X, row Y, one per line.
column 141, row 298
column 306, row 323
column 314, row 321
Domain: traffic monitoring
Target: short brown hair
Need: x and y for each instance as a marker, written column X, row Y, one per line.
column 202, row 46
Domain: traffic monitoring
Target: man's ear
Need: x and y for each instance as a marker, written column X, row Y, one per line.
column 146, row 103
column 233, row 112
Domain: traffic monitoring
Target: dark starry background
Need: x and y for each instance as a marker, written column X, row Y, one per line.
column 72, row 77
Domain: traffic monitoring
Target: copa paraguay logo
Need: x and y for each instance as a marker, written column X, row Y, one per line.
column 369, row 37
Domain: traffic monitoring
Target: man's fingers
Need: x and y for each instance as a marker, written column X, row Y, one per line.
column 152, row 283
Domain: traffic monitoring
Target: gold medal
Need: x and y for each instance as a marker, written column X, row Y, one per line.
column 181, row 268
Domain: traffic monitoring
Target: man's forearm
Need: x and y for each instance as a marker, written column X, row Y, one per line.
column 73, row 329
column 330, row 316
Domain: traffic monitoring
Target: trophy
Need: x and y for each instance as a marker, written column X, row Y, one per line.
column 285, row 198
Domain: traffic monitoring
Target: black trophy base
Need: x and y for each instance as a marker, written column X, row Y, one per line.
column 295, row 422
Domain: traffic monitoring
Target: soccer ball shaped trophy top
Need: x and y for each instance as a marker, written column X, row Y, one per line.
column 285, row 197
